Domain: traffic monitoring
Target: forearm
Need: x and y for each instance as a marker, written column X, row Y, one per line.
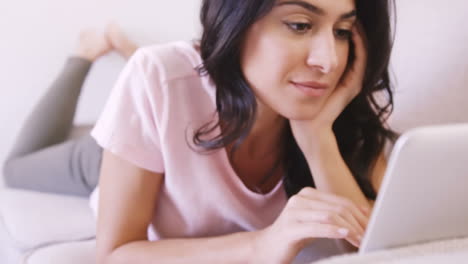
column 233, row 248
column 330, row 172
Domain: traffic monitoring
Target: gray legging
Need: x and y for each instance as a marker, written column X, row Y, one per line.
column 42, row 159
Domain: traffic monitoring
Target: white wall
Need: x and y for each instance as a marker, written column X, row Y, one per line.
column 430, row 59
column 37, row 36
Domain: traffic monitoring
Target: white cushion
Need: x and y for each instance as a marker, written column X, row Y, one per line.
column 441, row 251
column 66, row 253
column 441, row 258
column 33, row 219
column 8, row 253
column 458, row 257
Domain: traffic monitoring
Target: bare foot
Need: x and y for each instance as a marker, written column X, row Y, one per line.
column 119, row 41
column 92, row 45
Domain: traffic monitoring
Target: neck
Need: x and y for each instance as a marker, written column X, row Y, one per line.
column 265, row 134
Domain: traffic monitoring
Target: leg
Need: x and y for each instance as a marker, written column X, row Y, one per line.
column 49, row 124
column 50, row 121
column 39, row 161
column 70, row 168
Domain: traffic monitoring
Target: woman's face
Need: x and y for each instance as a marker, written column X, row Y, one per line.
column 294, row 57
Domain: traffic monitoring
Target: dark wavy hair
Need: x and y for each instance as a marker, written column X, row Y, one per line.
column 360, row 129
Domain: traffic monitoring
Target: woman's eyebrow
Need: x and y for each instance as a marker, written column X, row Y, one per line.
column 315, row 9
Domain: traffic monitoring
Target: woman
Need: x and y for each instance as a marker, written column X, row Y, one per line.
column 43, row 158
column 251, row 145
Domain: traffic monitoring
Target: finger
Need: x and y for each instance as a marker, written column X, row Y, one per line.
column 318, row 230
column 307, row 204
column 354, row 235
column 335, row 203
column 344, row 213
column 354, row 209
column 353, row 241
column 352, row 213
column 339, row 203
column 343, row 204
column 307, row 216
column 366, row 210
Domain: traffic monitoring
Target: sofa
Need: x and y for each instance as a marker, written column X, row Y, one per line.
column 57, row 229
column 45, row 228
column 430, row 66
column 37, row 227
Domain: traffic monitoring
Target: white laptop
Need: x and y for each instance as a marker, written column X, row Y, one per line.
column 424, row 193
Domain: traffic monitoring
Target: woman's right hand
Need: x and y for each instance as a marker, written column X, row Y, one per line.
column 308, row 215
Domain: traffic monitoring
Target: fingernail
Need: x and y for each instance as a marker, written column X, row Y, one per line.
column 343, row 231
column 359, row 238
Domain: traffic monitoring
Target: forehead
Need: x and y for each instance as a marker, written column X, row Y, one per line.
column 319, row 7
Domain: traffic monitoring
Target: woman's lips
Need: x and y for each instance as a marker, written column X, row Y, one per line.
column 313, row 89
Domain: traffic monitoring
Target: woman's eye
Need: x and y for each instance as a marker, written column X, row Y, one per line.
column 343, row 34
column 299, row 27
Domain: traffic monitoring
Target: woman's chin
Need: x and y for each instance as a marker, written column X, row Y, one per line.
column 300, row 115
column 299, row 110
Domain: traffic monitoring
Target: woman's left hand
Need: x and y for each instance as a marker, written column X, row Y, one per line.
column 347, row 89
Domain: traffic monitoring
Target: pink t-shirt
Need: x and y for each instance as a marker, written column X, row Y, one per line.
column 156, row 104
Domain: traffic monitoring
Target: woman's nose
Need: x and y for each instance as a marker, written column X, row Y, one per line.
column 322, row 53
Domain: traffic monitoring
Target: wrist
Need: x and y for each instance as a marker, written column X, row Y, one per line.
column 319, row 141
column 269, row 246
column 257, row 247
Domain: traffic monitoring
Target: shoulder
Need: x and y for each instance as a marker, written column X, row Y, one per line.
column 171, row 61
column 165, row 76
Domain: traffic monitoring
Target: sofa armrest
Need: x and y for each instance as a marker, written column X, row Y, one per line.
column 70, row 253
column 34, row 219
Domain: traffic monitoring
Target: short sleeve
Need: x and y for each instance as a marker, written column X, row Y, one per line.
column 128, row 125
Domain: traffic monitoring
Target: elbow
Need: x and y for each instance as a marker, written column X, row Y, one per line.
column 123, row 254
column 104, row 258
column 107, row 255
column 104, row 252
column 112, row 257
